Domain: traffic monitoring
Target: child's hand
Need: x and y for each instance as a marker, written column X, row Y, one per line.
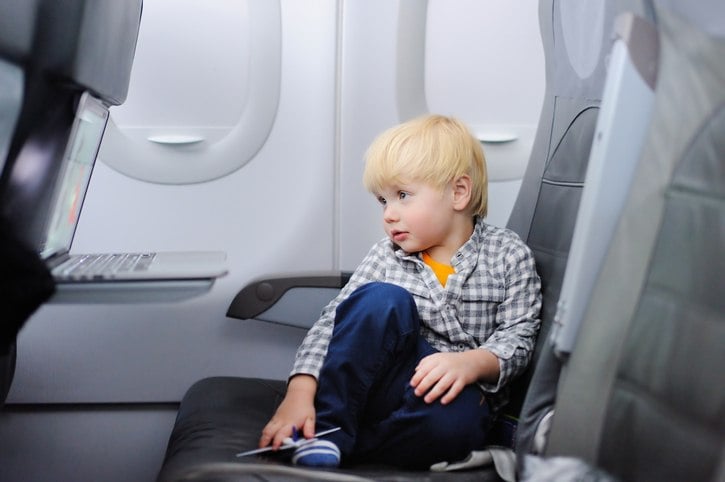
column 296, row 410
column 445, row 375
column 442, row 374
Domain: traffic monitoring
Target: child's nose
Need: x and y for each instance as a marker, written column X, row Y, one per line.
column 389, row 213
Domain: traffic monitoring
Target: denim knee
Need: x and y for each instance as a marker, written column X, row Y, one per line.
column 386, row 301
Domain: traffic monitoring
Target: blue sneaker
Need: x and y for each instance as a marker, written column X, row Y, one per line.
column 317, row 453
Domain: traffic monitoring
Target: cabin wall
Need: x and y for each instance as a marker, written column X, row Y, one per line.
column 97, row 384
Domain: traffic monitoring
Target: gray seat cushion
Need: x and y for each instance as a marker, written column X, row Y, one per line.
column 222, row 416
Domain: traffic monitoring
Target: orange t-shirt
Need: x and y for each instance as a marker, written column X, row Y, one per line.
column 442, row 271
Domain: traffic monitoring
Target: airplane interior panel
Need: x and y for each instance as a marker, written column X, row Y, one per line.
column 242, row 127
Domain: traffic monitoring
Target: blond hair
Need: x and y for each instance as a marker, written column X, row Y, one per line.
column 433, row 149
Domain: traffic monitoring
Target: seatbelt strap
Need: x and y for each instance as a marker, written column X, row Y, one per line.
column 502, row 458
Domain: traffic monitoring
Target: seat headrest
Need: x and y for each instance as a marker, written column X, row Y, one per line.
column 90, row 43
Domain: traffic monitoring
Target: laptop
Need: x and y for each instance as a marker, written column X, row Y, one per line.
column 70, row 190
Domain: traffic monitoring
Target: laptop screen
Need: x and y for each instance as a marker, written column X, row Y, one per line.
column 75, row 174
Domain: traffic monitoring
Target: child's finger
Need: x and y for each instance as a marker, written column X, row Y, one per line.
column 268, row 434
column 434, row 393
column 452, row 393
column 308, row 429
column 421, row 371
column 279, row 437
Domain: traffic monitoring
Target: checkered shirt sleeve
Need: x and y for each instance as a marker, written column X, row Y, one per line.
column 517, row 321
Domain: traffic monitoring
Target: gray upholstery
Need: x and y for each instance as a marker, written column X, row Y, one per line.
column 90, row 43
column 546, row 208
column 11, row 95
column 642, row 395
column 55, row 49
column 17, row 28
column 624, row 117
column 222, row 416
column 568, row 218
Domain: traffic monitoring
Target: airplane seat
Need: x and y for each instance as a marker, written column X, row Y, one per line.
column 624, row 113
column 15, row 39
column 222, row 416
column 50, row 52
column 546, row 209
column 642, row 394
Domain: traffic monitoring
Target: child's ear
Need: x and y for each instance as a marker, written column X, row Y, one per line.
column 461, row 192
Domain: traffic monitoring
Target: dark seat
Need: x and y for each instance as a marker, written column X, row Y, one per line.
column 222, row 416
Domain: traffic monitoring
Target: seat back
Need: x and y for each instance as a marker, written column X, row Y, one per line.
column 545, row 211
column 584, row 152
column 50, row 52
column 11, row 88
column 62, row 48
column 17, row 27
column 642, row 396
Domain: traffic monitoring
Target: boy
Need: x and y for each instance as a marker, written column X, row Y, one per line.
column 412, row 358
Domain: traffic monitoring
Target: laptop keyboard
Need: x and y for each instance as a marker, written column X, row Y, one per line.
column 100, row 265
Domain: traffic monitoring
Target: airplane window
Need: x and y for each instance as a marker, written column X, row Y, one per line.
column 231, row 52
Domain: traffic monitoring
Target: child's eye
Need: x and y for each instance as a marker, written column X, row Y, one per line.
column 402, row 195
column 382, row 200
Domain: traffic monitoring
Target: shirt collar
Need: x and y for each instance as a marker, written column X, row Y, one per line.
column 467, row 255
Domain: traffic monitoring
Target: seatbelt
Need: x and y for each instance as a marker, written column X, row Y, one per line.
column 502, row 458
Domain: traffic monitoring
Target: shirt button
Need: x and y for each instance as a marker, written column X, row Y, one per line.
column 461, row 346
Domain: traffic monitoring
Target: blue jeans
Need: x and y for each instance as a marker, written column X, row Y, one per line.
column 364, row 388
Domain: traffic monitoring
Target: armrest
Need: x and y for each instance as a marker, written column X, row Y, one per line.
column 258, row 296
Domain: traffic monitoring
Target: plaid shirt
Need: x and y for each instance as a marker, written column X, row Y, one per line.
column 492, row 302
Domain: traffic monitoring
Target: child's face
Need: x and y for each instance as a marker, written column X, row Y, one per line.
column 418, row 217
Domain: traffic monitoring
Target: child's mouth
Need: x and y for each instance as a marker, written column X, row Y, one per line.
column 399, row 236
